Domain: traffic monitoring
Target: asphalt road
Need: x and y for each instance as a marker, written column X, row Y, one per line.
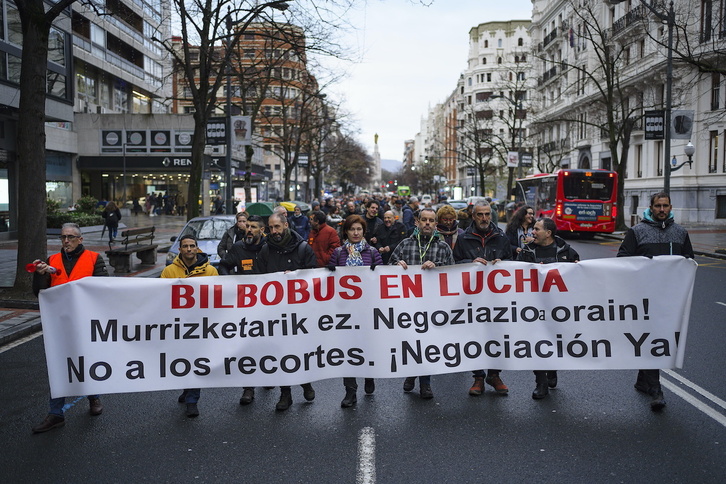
column 594, row 427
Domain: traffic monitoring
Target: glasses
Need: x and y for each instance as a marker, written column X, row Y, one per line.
column 69, row 237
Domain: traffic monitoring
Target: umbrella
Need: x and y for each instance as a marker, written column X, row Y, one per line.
column 303, row 206
column 289, row 206
column 263, row 209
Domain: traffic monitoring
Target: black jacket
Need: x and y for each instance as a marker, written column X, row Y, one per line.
column 241, row 258
column 559, row 251
column 470, row 245
column 650, row 238
column 296, row 254
column 389, row 237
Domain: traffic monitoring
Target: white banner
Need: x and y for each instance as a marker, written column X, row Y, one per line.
column 111, row 335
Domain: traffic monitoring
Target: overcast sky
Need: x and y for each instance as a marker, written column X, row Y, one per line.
column 412, row 56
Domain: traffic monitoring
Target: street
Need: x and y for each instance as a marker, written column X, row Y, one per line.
column 594, row 427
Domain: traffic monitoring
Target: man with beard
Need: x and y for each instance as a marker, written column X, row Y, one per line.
column 71, row 263
column 424, row 247
column 656, row 234
column 483, row 242
column 286, row 251
column 242, row 259
column 372, row 222
column 388, row 235
column 324, row 238
column 190, row 262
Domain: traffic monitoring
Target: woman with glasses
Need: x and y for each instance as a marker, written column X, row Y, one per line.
column 519, row 229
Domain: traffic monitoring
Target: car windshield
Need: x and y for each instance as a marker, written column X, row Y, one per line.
column 209, row 229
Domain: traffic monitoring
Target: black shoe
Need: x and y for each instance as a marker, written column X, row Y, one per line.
column 426, row 392
column 370, row 386
column 96, row 407
column 192, row 410
column 183, row 397
column 541, row 391
column 350, row 398
column 658, row 401
column 247, row 396
column 409, row 383
column 308, row 392
column 552, row 379
column 285, row 400
column 50, row 422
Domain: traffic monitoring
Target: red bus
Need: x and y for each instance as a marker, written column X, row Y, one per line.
column 583, row 201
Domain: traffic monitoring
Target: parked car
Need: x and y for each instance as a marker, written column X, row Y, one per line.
column 208, row 231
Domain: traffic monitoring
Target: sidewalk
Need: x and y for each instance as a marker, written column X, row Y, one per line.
column 23, row 317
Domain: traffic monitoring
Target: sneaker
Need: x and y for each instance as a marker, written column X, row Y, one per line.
column 192, row 410
column 478, row 387
column 247, row 396
column 498, row 384
column 308, row 392
column 426, row 392
column 409, row 383
column 183, row 397
column 658, row 401
column 49, row 423
column 96, row 407
column 370, row 385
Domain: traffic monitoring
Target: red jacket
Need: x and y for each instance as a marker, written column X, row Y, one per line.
column 324, row 241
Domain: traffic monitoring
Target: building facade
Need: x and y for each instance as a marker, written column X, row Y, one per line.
column 573, row 126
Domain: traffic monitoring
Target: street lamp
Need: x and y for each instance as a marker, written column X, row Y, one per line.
column 246, row 21
column 689, row 150
column 670, row 18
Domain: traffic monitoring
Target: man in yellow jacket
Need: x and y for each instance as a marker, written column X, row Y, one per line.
column 190, row 262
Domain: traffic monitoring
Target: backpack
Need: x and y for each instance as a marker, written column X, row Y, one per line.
column 112, row 218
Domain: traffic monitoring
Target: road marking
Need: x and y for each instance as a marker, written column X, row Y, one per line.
column 722, row 304
column 366, row 456
column 20, row 341
column 713, row 398
column 714, row 414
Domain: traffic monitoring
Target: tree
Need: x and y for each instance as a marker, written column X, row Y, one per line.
column 36, row 19
column 353, row 164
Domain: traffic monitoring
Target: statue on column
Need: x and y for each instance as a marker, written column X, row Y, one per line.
column 375, row 138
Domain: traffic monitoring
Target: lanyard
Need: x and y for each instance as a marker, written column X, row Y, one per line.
column 422, row 254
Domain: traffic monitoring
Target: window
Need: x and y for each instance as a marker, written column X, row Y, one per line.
column 659, row 157
column 706, row 19
column 489, row 77
column 486, row 44
column 720, row 206
column 483, row 60
column 499, row 43
column 638, row 161
column 713, row 151
column 57, row 47
column 520, row 42
column 15, row 30
column 715, row 90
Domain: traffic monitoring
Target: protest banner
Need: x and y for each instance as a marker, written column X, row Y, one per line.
column 109, row 335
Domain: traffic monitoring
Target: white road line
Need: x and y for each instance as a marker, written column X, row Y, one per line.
column 722, row 304
column 713, row 398
column 366, row 456
column 714, row 414
column 20, row 341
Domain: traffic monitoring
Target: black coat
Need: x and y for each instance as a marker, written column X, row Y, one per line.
column 471, row 245
column 296, row 254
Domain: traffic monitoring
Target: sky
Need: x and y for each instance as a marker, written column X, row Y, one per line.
column 411, row 56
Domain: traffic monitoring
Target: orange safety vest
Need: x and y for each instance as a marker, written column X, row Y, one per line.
column 83, row 268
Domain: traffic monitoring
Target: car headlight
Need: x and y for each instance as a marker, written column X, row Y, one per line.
column 170, row 256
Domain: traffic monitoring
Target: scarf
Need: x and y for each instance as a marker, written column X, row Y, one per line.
column 354, row 250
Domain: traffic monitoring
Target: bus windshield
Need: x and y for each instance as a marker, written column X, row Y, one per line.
column 596, row 186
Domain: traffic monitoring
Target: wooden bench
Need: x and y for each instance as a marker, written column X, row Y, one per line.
column 139, row 241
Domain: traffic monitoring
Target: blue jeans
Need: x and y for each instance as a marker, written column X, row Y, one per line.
column 112, row 232
column 193, row 395
column 56, row 404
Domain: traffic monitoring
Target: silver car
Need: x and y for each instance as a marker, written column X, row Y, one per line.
column 208, row 232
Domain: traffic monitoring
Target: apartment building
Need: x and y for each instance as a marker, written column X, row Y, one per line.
column 572, row 109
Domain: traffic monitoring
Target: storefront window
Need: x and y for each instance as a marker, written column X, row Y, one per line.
column 61, row 192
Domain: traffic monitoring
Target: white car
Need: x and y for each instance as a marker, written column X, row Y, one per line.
column 425, row 200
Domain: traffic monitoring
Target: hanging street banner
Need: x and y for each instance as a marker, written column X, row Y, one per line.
column 115, row 335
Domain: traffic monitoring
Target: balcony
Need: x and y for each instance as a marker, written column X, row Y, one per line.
column 550, row 37
column 549, row 74
column 634, row 16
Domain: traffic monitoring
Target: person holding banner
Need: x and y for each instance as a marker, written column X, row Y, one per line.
column 242, row 259
column 546, row 248
column 190, row 262
column 355, row 251
column 483, row 242
column 286, row 251
column 423, row 247
column 656, row 234
column 73, row 262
